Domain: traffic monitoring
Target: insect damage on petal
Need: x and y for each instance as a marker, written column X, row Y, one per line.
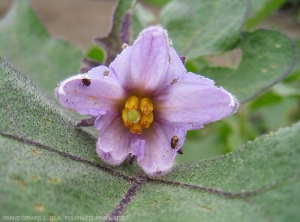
column 105, row 73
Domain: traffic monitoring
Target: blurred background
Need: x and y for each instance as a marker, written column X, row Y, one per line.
column 78, row 21
column 81, row 20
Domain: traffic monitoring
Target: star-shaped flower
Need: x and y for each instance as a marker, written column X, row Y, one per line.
column 145, row 102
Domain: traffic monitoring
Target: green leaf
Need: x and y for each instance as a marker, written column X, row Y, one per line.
column 297, row 66
column 46, row 162
column 279, row 111
column 204, row 143
column 296, row 71
column 96, row 54
column 268, row 57
column 218, row 138
column 200, row 27
column 260, row 9
column 158, row 3
column 268, row 98
column 267, row 170
column 196, row 65
column 26, row 44
column 286, row 90
column 274, row 109
column 52, row 166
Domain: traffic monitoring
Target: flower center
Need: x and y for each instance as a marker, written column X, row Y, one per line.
column 137, row 115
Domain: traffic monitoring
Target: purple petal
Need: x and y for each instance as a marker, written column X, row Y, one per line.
column 100, row 96
column 158, row 155
column 144, row 65
column 195, row 78
column 195, row 100
column 137, row 147
column 114, row 142
column 176, row 70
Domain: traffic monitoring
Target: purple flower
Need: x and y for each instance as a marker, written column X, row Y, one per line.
column 145, row 102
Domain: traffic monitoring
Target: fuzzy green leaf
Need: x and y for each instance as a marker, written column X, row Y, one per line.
column 46, row 162
column 52, row 166
column 266, row 171
column 260, row 9
column 200, row 27
column 268, row 57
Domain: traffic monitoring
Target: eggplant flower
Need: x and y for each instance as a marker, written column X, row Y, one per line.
column 145, row 102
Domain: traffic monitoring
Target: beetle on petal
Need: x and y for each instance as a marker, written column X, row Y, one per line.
column 138, row 106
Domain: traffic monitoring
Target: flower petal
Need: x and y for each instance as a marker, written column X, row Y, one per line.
column 175, row 71
column 100, row 94
column 195, row 100
column 143, row 66
column 114, row 142
column 137, row 147
column 158, row 155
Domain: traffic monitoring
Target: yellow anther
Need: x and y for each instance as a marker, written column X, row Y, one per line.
column 136, row 128
column 146, row 120
column 132, row 103
column 146, row 106
column 125, row 120
column 136, row 117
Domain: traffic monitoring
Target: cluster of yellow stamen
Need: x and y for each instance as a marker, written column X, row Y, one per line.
column 137, row 115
